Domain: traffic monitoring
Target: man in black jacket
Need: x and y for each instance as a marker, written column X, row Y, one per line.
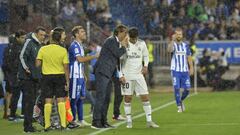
column 114, row 47
column 30, row 75
column 10, row 68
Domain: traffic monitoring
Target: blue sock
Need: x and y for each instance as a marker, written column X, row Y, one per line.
column 177, row 96
column 184, row 94
column 73, row 108
column 80, row 109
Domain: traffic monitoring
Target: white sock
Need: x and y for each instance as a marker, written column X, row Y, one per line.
column 148, row 110
column 127, row 109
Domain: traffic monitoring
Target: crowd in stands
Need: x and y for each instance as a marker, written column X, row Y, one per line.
column 201, row 19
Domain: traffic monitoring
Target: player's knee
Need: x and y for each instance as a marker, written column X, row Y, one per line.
column 127, row 98
column 144, row 98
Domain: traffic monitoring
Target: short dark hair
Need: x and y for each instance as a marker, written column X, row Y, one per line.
column 57, row 33
column 20, row 33
column 133, row 32
column 39, row 28
column 75, row 30
column 119, row 28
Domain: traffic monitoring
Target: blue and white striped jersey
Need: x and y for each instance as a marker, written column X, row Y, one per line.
column 179, row 61
column 76, row 68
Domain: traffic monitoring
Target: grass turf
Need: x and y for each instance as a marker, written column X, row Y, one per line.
column 208, row 113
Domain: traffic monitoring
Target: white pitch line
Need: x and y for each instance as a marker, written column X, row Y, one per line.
column 205, row 124
column 135, row 117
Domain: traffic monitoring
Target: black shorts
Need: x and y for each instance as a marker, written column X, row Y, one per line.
column 53, row 85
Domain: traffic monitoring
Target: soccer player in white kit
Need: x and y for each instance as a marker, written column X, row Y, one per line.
column 131, row 76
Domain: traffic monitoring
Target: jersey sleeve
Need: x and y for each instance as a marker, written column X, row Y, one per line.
column 40, row 54
column 76, row 50
column 65, row 57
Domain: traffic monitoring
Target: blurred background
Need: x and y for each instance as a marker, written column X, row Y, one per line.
column 211, row 27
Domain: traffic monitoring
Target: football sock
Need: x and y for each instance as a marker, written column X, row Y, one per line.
column 62, row 113
column 148, row 110
column 80, row 109
column 127, row 109
column 73, row 108
column 177, row 96
column 47, row 114
column 184, row 94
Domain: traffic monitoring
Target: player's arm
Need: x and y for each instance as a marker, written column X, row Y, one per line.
column 38, row 61
column 25, row 53
column 170, row 44
column 86, row 58
column 145, row 59
column 77, row 53
column 120, row 73
column 66, row 71
column 190, row 63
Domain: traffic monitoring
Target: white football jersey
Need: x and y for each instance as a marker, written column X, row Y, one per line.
column 132, row 60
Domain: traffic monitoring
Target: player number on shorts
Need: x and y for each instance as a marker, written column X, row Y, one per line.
column 126, row 85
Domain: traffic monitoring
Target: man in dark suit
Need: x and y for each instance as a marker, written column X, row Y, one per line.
column 113, row 48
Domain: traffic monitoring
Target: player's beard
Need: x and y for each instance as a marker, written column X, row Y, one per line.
column 179, row 39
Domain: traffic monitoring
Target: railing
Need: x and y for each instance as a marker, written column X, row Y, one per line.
column 161, row 56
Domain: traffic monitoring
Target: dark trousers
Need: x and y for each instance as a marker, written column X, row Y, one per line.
column 150, row 74
column 14, row 100
column 117, row 97
column 30, row 88
column 103, row 93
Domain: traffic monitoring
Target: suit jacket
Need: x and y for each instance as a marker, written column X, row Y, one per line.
column 109, row 57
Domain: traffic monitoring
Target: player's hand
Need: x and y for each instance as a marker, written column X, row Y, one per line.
column 173, row 37
column 122, row 80
column 191, row 71
column 144, row 70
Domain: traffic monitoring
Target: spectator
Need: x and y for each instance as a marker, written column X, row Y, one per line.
column 222, row 11
column 91, row 10
column 68, row 15
column 196, row 12
column 101, row 5
column 233, row 30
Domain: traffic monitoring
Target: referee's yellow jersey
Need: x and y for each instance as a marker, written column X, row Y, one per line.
column 53, row 57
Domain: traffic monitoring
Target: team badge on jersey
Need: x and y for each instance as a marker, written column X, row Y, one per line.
column 76, row 50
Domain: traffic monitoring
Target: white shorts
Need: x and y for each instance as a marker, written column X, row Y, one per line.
column 138, row 85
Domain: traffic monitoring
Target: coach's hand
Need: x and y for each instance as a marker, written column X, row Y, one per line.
column 122, row 80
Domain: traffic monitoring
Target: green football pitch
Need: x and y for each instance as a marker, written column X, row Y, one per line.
column 207, row 113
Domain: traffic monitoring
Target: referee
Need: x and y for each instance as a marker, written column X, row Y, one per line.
column 55, row 80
